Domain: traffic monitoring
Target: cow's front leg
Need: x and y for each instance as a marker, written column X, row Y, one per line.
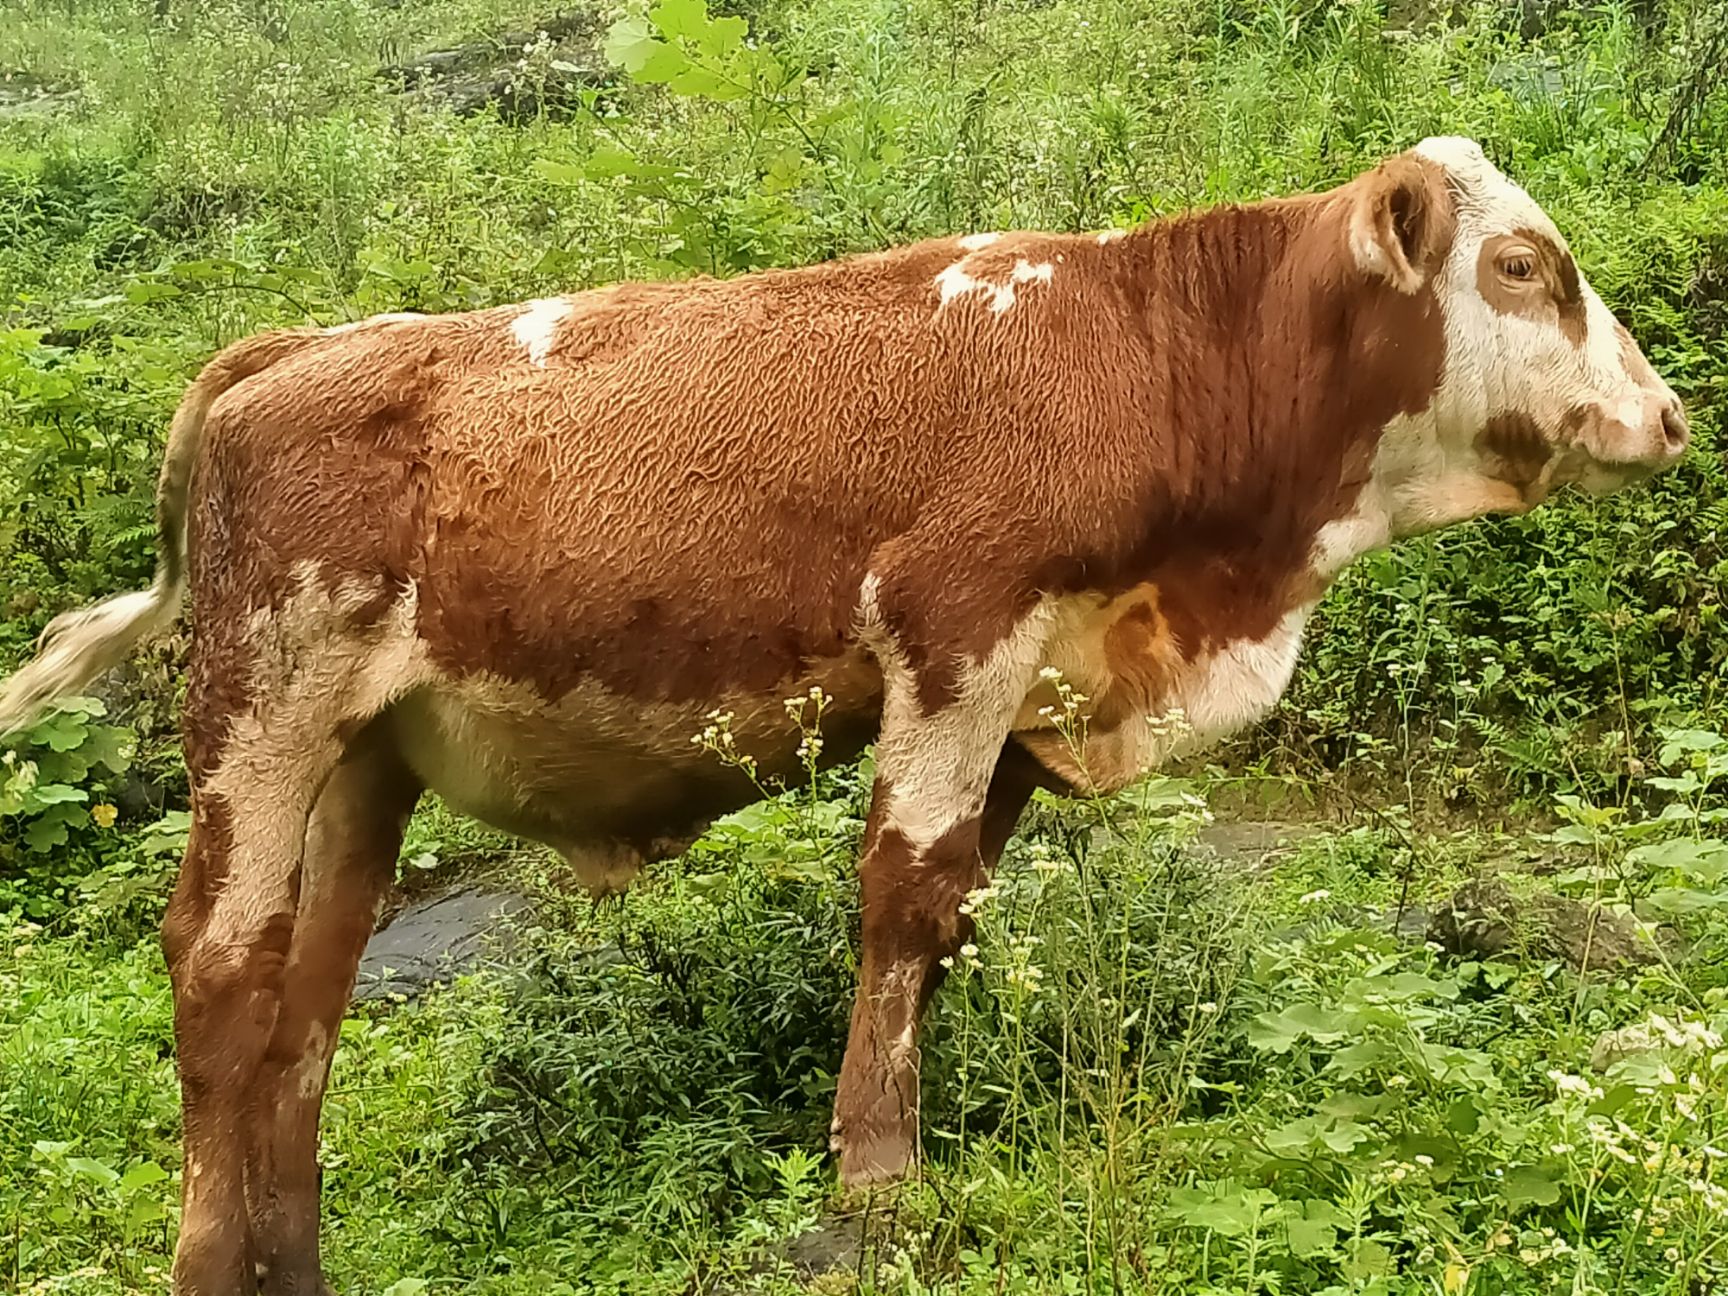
column 932, row 826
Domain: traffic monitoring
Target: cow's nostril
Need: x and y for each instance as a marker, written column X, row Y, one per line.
column 1674, row 426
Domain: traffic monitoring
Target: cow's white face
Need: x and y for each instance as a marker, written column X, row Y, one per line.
column 1539, row 384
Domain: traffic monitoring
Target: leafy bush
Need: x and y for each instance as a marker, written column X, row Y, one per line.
column 46, row 803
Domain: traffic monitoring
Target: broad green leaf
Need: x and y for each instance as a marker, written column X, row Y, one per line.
column 202, row 271
column 1526, row 1185
column 1615, row 1100
column 303, row 274
column 680, row 18
column 90, row 1169
column 44, row 795
column 49, row 829
column 1279, row 1032
column 1683, row 785
column 1678, row 742
column 1368, row 1259
column 142, row 1175
column 724, row 37
column 1232, row 1214
column 629, row 43
column 609, row 161
column 1452, row 1065
column 1309, row 1238
column 705, row 83
column 1357, row 1106
column 61, row 732
column 567, row 173
column 168, row 834
column 662, row 63
column 110, row 747
column 143, row 291
column 144, row 1210
column 1703, row 861
column 1310, row 1132
column 1685, row 900
column 1364, row 1055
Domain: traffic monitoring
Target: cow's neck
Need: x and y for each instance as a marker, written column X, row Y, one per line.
column 1274, row 366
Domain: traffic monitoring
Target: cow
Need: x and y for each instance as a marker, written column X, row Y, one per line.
column 518, row 556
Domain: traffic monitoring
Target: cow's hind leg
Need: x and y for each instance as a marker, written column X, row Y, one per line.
column 270, row 707
column 227, row 935
column 352, row 845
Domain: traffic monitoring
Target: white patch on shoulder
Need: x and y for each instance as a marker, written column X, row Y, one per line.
column 536, row 328
column 1109, row 236
column 938, row 766
column 978, row 242
column 1217, row 694
column 1235, row 685
column 398, row 317
column 955, row 281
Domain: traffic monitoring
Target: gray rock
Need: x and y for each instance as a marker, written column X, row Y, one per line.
column 1484, row 920
column 483, row 74
column 1252, row 843
column 834, row 1244
column 1409, row 924
column 433, row 940
column 23, row 95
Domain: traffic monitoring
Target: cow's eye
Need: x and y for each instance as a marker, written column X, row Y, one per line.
column 1518, row 265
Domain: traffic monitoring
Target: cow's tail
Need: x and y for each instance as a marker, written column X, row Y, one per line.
column 80, row 645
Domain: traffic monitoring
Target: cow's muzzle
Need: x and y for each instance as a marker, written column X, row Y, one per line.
column 1635, row 436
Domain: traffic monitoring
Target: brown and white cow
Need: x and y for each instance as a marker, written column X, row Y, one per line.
column 517, row 556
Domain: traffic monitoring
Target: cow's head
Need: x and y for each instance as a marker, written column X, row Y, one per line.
column 1539, row 385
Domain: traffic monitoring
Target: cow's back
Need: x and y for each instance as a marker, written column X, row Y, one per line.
column 673, row 489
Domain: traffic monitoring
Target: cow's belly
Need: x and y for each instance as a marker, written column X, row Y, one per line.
column 609, row 780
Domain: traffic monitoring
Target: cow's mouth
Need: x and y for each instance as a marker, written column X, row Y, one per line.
column 1614, row 452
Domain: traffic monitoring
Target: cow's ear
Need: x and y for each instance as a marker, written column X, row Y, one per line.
column 1402, row 222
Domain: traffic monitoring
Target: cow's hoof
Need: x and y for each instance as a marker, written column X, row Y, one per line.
column 877, row 1159
column 294, row 1282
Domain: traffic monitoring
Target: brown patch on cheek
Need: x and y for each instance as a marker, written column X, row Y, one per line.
column 1515, row 450
column 1556, row 285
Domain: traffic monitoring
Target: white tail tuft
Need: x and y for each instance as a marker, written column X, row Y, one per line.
column 79, row 646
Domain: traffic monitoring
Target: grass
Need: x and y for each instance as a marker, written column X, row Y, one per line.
column 1158, row 1070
